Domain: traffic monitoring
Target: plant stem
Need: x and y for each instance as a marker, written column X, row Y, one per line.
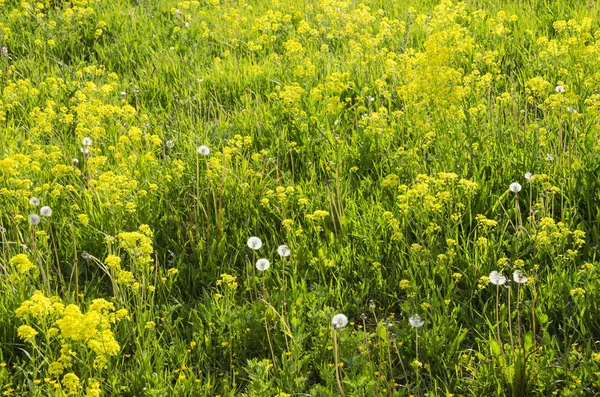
column 337, row 363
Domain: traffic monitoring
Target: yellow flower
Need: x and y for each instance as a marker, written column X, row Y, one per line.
column 22, row 263
column 27, row 333
column 71, row 382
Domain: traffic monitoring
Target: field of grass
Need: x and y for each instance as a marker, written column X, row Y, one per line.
column 299, row 198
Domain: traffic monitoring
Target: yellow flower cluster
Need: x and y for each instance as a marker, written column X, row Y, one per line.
column 71, row 327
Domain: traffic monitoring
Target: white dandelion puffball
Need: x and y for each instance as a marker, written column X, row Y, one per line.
column 515, row 187
column 571, row 110
column 84, row 150
column 34, row 219
column 519, row 277
column 34, row 201
column 416, row 321
column 560, row 89
column 203, row 150
column 75, row 161
column 254, row 243
column 528, row 176
column 339, row 321
column 45, row 211
column 87, row 141
column 263, row 264
column 170, row 144
column 549, row 157
column 497, row 278
column 283, row 250
column 2, row 229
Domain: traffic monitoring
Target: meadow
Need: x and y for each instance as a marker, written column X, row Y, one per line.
column 299, row 198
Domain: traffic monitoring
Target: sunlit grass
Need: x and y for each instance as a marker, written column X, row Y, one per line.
column 299, row 198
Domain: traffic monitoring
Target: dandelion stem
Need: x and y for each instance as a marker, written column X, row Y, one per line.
column 498, row 315
column 391, row 368
column 337, row 362
column 403, row 368
column 366, row 342
column 519, row 315
column 533, row 301
column 266, row 322
column 510, row 331
column 284, row 301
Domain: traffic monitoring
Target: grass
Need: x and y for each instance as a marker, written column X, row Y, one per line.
column 376, row 139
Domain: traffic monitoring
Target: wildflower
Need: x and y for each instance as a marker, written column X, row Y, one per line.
column 84, row 150
column 123, row 94
column 519, row 277
column 497, row 278
column 170, row 144
column 577, row 292
column 26, row 333
column 515, row 187
column 2, row 229
column 283, row 250
column 549, row 157
column 71, row 382
column 87, row 141
column 571, row 110
column 45, row 211
column 203, row 150
column 416, row 321
column 4, row 51
column 263, row 264
column 528, row 176
column 75, row 162
column 339, row 321
column 254, row 243
column 34, row 201
column 416, row 364
column 22, row 263
column 560, row 89
column 34, row 219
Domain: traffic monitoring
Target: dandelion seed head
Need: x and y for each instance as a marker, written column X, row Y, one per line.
column 75, row 161
column 170, row 144
column 528, row 176
column 45, row 211
column 203, row 150
column 34, row 219
column 416, row 321
column 283, row 250
column 560, row 89
column 254, row 243
column 515, row 187
column 549, row 157
column 263, row 264
column 497, row 278
column 519, row 277
column 2, row 229
column 339, row 321
column 84, row 150
column 4, row 51
column 87, row 141
column 34, row 201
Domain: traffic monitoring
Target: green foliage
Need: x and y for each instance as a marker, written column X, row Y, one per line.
column 379, row 140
